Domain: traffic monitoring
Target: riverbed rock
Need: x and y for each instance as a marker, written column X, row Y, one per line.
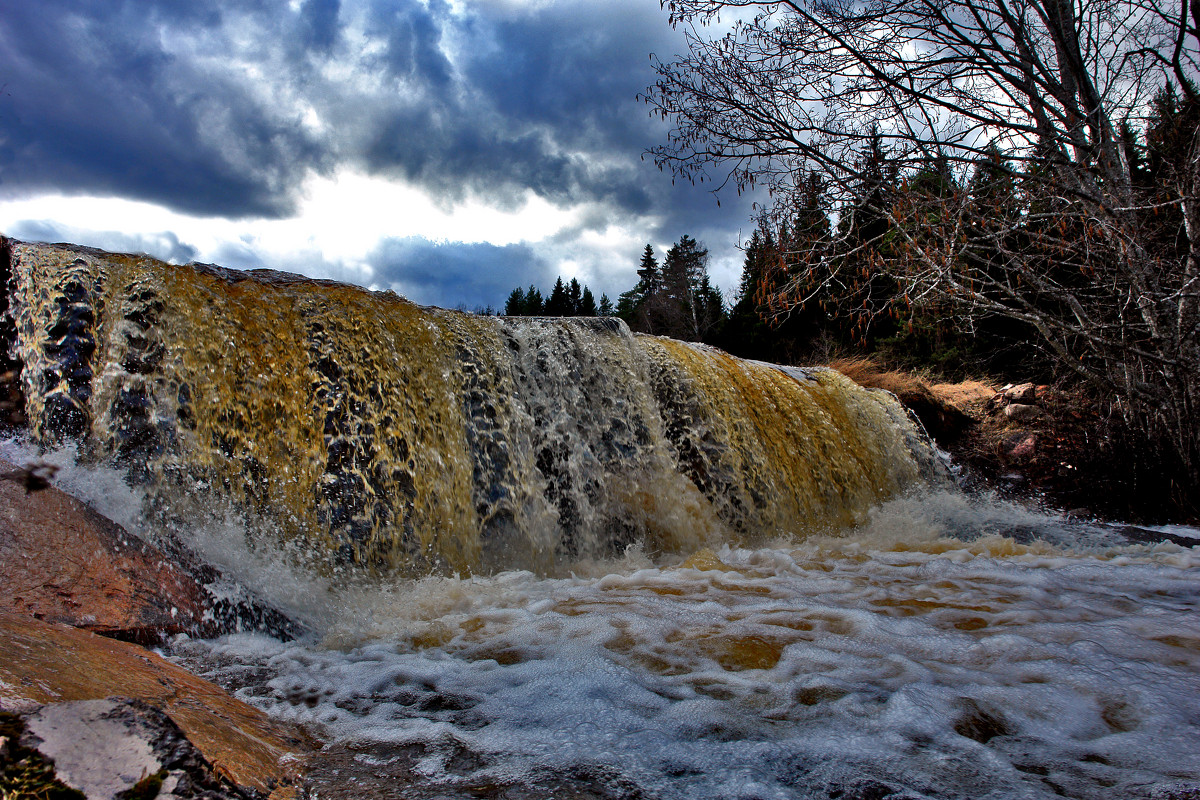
column 120, row 747
column 1024, row 394
column 61, row 561
column 43, row 663
column 1021, row 413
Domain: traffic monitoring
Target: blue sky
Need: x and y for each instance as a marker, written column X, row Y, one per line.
column 448, row 151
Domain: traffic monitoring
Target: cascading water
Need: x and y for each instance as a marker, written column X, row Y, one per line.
column 396, row 436
column 546, row 558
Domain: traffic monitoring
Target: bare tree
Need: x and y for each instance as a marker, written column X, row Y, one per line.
column 1057, row 87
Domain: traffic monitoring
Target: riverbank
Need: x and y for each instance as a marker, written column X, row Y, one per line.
column 81, row 696
column 1048, row 444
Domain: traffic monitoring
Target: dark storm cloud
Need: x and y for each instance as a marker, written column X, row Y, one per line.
column 225, row 107
column 542, row 101
column 97, row 103
column 200, row 106
column 575, row 68
column 318, row 27
column 456, row 274
column 412, row 35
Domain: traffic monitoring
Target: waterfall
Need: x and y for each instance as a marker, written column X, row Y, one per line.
column 378, row 432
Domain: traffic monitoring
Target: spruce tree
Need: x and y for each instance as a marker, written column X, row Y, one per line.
column 574, row 298
column 638, row 305
column 559, row 304
column 683, row 270
column 534, row 306
column 514, row 306
column 587, row 304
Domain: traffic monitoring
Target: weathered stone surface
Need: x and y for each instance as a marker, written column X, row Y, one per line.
column 1020, row 412
column 91, row 751
column 1021, row 446
column 63, row 562
column 1025, row 394
column 43, row 663
column 121, row 747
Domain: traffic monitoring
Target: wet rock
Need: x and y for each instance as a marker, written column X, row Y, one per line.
column 61, row 561
column 124, row 748
column 42, row 664
column 980, row 723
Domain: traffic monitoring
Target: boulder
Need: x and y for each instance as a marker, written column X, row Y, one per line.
column 1024, row 393
column 42, row 663
column 61, row 561
column 1020, row 412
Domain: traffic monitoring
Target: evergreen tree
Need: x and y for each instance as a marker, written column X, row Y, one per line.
column 779, row 314
column 689, row 306
column 587, row 304
column 648, row 275
column 606, row 307
column 746, row 332
column 639, row 306
column 559, row 304
column 534, row 306
column 574, row 297
column 514, row 306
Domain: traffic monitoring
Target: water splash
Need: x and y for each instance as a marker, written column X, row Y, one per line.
column 708, row 578
column 406, row 438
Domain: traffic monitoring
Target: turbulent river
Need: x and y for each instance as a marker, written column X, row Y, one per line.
column 533, row 558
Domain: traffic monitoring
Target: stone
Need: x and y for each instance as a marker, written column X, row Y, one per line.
column 1021, row 447
column 122, row 747
column 1020, row 412
column 43, row 663
column 61, row 561
column 1025, row 394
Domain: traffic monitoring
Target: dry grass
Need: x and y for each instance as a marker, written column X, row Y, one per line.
column 942, row 418
column 866, row 372
column 966, row 396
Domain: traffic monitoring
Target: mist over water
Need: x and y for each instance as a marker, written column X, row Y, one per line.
column 926, row 653
column 548, row 559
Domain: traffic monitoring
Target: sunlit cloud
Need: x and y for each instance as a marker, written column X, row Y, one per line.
column 313, row 135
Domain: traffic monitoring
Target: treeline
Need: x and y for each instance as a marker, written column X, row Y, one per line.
column 1014, row 259
column 566, row 300
column 676, row 298
column 827, row 276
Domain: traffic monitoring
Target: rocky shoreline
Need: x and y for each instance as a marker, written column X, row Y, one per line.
column 1049, row 445
column 83, row 596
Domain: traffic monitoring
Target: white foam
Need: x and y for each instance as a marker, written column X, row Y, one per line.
column 976, row 667
column 951, row 647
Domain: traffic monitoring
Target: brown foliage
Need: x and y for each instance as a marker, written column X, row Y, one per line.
column 942, row 420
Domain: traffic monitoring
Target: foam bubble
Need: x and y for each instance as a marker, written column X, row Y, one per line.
column 896, row 657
